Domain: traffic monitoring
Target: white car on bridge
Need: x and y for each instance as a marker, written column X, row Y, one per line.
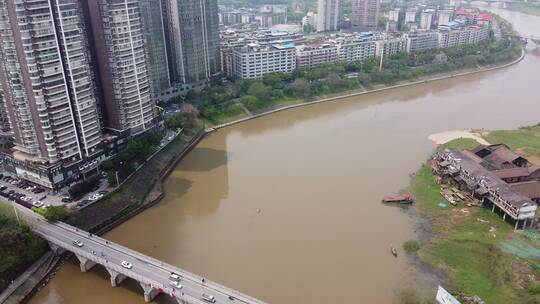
column 126, row 264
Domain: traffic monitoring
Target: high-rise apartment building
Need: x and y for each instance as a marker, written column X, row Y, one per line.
column 154, row 36
column 47, row 83
column 365, row 14
column 192, row 33
column 445, row 16
column 329, row 15
column 425, row 20
column 122, row 62
column 410, row 16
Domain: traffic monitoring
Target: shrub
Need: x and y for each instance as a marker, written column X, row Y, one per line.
column 411, row 247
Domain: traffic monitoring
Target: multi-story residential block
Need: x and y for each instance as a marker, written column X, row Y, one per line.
column 425, row 20
column 421, row 41
column 355, row 49
column 467, row 35
column 390, row 46
column 310, row 56
column 48, row 90
column 365, row 14
column 254, row 60
column 120, row 51
column 329, row 15
column 154, row 37
column 191, row 29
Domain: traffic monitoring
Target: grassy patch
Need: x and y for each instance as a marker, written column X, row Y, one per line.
column 524, row 140
column 461, row 143
column 7, row 210
column 527, row 8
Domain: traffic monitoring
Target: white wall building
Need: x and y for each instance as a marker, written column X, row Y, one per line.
column 390, row 46
column 310, row 56
column 421, row 41
column 354, row 50
column 254, row 60
column 467, row 35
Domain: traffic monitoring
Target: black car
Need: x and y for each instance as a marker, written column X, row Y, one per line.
column 2, row 188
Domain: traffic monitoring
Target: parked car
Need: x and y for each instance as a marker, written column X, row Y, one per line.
column 38, row 204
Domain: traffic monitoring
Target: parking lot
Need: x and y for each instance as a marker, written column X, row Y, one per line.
column 27, row 194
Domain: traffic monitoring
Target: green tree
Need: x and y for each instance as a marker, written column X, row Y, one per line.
column 249, row 101
column 56, row 213
column 333, row 80
column 274, row 80
column 259, row 90
column 182, row 120
column 8, row 145
column 301, row 87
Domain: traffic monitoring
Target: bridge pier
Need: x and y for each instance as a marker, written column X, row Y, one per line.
column 116, row 277
column 149, row 292
column 85, row 263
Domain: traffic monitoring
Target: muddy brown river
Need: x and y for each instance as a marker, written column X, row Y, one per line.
column 287, row 208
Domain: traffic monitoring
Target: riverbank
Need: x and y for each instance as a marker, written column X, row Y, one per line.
column 338, row 97
column 479, row 252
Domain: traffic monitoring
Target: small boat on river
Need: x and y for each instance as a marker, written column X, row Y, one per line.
column 394, row 251
column 405, row 198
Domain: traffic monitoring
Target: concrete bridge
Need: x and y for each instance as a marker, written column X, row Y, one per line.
column 152, row 274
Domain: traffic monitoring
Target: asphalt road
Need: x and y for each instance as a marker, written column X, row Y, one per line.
column 145, row 269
